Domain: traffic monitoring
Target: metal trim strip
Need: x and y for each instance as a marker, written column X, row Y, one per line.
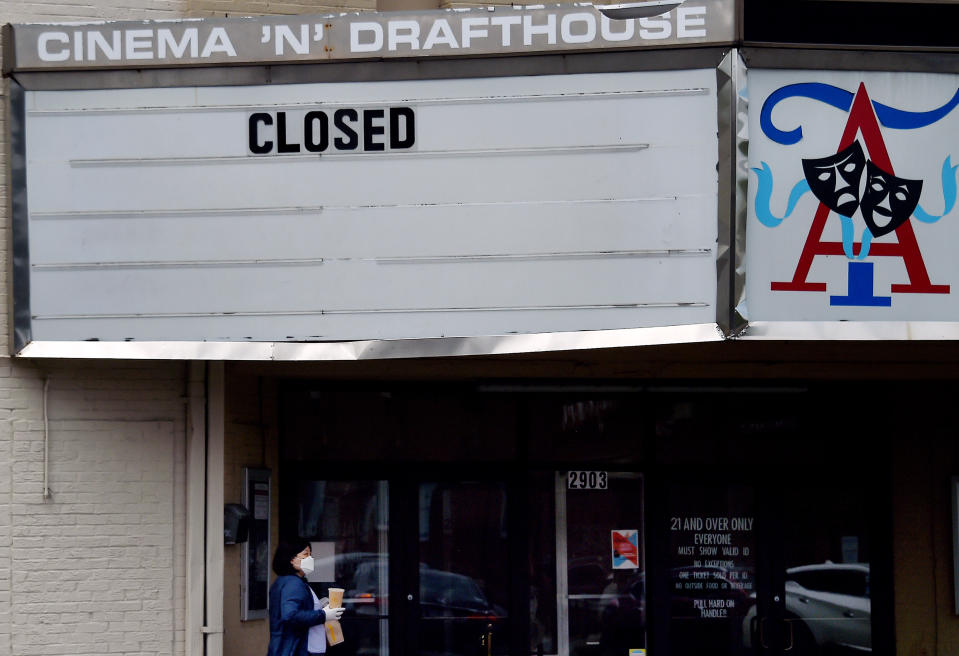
column 681, row 58
column 309, row 158
column 562, row 565
column 374, row 310
column 852, row 330
column 412, row 100
column 725, row 90
column 740, row 163
column 19, row 310
column 375, row 349
column 9, row 52
column 905, row 60
column 730, row 247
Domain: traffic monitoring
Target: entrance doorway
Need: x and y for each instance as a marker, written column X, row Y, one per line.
column 478, row 566
column 612, row 523
column 427, row 565
column 762, row 567
column 461, row 605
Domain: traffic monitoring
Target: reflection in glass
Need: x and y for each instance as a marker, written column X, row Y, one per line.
column 346, row 523
column 606, row 589
column 464, row 587
column 828, row 609
column 542, row 564
column 828, row 606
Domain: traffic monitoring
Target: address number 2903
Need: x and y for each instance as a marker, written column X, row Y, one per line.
column 587, row 480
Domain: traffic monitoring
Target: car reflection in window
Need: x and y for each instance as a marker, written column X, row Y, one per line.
column 366, row 586
column 445, row 594
column 456, row 616
column 607, row 608
column 455, row 611
column 828, row 609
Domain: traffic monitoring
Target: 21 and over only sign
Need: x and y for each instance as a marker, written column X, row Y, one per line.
column 852, row 196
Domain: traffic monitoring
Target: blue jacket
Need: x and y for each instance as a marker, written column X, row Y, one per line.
column 291, row 616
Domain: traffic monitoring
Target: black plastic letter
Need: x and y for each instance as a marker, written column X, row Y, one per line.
column 312, row 119
column 410, row 137
column 339, row 120
column 282, row 145
column 370, row 130
column 255, row 146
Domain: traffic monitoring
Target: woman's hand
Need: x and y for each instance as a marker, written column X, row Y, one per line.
column 333, row 613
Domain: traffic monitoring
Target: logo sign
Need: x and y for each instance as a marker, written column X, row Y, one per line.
column 625, row 549
column 852, row 197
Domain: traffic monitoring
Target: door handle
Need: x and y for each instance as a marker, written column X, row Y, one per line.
column 761, row 622
column 804, row 600
column 756, row 631
column 848, row 613
column 487, row 640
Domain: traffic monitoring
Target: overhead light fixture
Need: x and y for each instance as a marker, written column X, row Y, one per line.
column 645, row 9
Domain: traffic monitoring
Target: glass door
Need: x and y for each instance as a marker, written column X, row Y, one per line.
column 762, row 568
column 463, row 569
column 825, row 570
column 601, row 564
column 346, row 524
column 709, row 579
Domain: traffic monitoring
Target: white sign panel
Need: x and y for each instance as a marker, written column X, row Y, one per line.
column 852, row 196
column 377, row 210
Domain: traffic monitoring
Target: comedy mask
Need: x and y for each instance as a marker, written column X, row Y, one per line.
column 887, row 201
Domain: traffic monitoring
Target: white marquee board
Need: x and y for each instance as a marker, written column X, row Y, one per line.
column 892, row 259
column 461, row 208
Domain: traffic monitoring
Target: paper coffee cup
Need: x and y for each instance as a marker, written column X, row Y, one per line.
column 336, row 597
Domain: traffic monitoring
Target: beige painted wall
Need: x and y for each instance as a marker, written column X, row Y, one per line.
column 924, row 462
column 251, row 441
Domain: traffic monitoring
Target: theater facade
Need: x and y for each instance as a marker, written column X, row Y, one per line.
column 565, row 330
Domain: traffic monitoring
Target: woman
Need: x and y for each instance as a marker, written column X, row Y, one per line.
column 297, row 615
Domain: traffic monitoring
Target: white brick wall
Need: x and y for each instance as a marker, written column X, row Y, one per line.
column 35, row 11
column 98, row 568
column 93, row 564
column 6, row 571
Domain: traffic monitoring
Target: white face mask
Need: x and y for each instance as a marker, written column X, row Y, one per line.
column 306, row 565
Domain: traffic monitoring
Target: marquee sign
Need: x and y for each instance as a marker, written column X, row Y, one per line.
column 387, row 210
column 485, row 31
column 852, row 196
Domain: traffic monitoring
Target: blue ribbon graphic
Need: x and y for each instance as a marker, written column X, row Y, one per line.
column 849, row 238
column 889, row 117
column 764, row 194
column 948, row 194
